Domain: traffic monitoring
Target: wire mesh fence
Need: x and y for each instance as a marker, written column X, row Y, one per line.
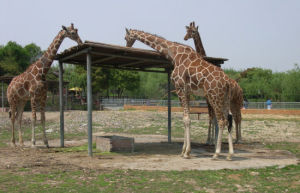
column 99, row 103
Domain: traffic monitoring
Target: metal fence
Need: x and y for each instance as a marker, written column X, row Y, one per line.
column 74, row 103
column 176, row 103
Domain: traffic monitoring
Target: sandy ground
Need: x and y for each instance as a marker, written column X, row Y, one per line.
column 152, row 152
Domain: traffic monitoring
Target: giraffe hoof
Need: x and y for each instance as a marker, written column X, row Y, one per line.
column 33, row 146
column 46, row 144
column 238, row 142
column 186, row 157
column 215, row 157
column 229, row 158
column 13, row 145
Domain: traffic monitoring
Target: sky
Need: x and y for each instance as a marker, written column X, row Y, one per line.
column 250, row 33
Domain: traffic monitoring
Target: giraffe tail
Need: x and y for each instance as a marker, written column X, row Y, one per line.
column 9, row 113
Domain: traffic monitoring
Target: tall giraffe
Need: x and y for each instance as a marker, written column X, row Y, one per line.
column 31, row 85
column 192, row 74
column 236, row 100
column 192, row 32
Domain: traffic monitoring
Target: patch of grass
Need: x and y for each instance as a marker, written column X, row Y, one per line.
column 289, row 146
column 82, row 148
column 271, row 179
column 272, row 119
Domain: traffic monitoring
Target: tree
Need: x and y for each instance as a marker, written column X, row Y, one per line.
column 14, row 59
column 34, row 52
column 257, row 84
column 290, row 85
column 121, row 81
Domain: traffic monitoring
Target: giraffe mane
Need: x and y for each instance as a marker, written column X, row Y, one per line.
column 163, row 38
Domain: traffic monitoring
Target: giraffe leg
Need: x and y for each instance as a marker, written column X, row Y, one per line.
column 187, row 122
column 219, row 140
column 210, row 117
column 237, row 120
column 239, row 126
column 33, row 121
column 43, row 104
column 184, row 99
column 208, row 141
column 230, row 144
column 19, row 118
column 13, row 118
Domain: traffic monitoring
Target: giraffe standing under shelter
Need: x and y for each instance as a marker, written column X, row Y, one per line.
column 192, row 32
column 236, row 101
column 192, row 74
column 31, row 85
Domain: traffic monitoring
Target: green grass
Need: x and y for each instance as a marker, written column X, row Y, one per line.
column 272, row 119
column 5, row 133
column 271, row 179
column 289, row 146
column 73, row 179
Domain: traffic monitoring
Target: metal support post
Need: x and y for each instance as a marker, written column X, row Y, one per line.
column 66, row 87
column 89, row 103
column 169, row 106
column 2, row 96
column 61, row 104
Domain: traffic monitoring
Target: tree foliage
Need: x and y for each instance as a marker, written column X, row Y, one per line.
column 14, row 59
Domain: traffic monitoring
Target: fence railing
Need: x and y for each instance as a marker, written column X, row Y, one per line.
column 75, row 103
column 176, row 103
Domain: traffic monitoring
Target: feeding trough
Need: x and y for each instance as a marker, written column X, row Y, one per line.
column 114, row 143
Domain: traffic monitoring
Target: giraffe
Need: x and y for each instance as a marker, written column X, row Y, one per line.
column 31, row 85
column 192, row 74
column 236, row 100
column 192, row 32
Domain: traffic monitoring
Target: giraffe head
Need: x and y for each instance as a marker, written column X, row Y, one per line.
column 129, row 38
column 191, row 31
column 72, row 33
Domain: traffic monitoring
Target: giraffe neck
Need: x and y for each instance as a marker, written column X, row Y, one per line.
column 158, row 43
column 48, row 57
column 198, row 44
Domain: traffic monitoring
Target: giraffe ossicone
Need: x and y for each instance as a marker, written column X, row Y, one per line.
column 192, row 75
column 31, row 85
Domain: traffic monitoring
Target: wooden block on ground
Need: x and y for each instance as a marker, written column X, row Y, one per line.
column 114, row 143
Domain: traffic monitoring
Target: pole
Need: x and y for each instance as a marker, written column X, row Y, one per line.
column 61, row 104
column 89, row 103
column 2, row 96
column 66, row 87
column 169, row 106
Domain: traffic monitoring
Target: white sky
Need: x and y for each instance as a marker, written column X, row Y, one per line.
column 250, row 33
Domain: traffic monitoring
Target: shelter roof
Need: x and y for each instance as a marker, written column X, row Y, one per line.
column 120, row 57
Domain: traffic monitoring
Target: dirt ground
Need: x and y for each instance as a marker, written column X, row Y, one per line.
column 152, row 152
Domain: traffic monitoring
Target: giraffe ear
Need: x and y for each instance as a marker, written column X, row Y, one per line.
column 64, row 27
column 72, row 25
column 127, row 31
column 187, row 27
column 197, row 27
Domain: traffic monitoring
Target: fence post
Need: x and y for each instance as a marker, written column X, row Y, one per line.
column 169, row 106
column 2, row 96
column 61, row 104
column 89, row 103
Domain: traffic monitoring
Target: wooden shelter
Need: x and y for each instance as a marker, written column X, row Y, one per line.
column 114, row 57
